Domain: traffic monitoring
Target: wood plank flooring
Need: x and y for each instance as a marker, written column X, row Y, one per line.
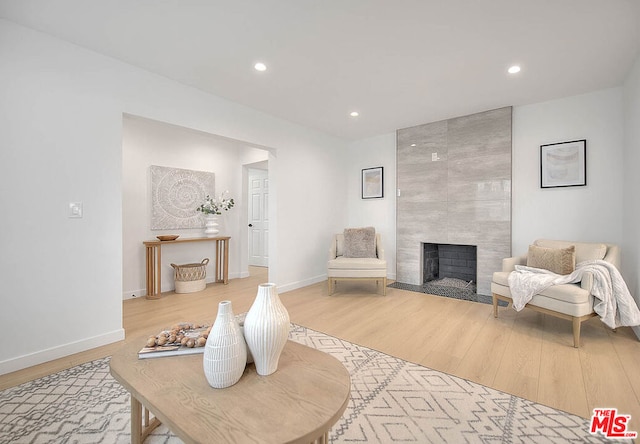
column 527, row 354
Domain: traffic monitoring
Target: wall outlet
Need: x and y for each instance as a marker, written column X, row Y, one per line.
column 132, row 294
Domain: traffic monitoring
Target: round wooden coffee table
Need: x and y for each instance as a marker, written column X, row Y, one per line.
column 298, row 403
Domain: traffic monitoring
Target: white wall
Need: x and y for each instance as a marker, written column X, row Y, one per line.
column 631, row 219
column 61, row 142
column 379, row 213
column 61, row 139
column 589, row 213
column 146, row 142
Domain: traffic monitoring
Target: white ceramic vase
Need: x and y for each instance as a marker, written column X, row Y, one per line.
column 266, row 329
column 240, row 318
column 225, row 353
column 211, row 225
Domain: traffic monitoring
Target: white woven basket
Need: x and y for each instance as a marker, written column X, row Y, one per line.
column 190, row 278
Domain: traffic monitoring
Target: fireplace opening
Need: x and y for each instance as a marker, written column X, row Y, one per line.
column 449, row 270
column 451, row 266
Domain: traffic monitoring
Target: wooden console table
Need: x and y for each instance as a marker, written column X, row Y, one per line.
column 154, row 261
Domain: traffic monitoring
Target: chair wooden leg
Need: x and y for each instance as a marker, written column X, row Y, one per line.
column 330, row 286
column 495, row 305
column 576, row 332
column 384, row 286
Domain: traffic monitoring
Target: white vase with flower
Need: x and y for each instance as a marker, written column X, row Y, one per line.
column 211, row 209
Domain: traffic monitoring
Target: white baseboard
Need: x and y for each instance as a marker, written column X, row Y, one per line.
column 134, row 294
column 300, row 284
column 39, row 357
column 311, row 281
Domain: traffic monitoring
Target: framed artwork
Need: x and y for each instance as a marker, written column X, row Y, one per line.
column 175, row 195
column 563, row 164
column 372, row 183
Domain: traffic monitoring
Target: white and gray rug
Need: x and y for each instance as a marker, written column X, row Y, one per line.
column 391, row 401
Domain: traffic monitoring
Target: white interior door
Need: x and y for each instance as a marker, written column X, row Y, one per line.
column 258, row 217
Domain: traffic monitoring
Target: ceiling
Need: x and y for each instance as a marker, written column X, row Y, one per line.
column 398, row 63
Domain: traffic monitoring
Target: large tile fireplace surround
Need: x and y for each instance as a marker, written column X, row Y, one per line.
column 454, row 183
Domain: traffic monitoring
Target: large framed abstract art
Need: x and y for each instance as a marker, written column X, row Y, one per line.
column 175, row 195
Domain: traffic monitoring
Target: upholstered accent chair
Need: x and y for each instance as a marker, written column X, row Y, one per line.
column 573, row 302
column 349, row 262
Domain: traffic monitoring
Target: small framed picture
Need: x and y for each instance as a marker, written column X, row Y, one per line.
column 563, row 164
column 372, row 183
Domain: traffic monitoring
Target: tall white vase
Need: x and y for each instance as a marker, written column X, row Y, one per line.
column 266, row 329
column 225, row 353
column 240, row 318
column 211, row 225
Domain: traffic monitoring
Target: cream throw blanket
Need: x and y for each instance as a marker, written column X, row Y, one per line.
column 614, row 303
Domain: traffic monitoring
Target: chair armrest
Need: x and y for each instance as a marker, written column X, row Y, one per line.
column 509, row 263
column 332, row 249
column 587, row 281
column 380, row 252
column 613, row 255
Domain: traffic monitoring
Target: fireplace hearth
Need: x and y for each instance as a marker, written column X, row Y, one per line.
column 435, row 287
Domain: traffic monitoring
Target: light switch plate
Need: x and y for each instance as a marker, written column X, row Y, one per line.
column 75, row 209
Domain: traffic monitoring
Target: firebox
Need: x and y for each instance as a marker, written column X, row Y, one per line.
column 449, row 261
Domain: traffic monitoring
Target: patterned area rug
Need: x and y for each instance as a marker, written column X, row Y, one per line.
column 391, row 401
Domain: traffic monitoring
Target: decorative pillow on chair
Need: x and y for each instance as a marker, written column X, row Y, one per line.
column 557, row 260
column 360, row 242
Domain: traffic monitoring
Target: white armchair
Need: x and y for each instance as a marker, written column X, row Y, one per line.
column 342, row 267
column 573, row 302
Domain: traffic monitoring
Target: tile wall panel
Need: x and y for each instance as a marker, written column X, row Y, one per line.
column 479, row 178
column 481, row 134
column 455, row 187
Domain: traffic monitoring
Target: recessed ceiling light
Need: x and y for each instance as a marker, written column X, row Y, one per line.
column 260, row 66
column 354, row 113
column 514, row 69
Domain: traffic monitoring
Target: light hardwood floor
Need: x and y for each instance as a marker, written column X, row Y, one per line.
column 527, row 354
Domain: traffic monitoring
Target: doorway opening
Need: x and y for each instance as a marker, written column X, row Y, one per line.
column 147, row 142
column 257, row 198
